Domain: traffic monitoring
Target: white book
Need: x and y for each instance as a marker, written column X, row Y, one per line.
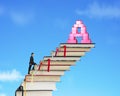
column 61, row 58
column 39, row 86
column 61, row 53
column 42, row 78
column 46, row 72
column 34, row 93
column 92, row 45
column 53, row 68
column 59, row 62
column 74, row 49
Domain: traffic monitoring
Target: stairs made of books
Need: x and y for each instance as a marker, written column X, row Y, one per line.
column 42, row 80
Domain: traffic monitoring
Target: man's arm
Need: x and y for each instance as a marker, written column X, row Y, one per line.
column 32, row 61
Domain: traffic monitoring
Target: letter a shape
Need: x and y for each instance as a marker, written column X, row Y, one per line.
column 84, row 34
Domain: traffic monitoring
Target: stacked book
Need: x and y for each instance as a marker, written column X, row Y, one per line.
column 42, row 80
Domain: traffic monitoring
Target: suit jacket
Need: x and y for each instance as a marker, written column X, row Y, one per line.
column 32, row 61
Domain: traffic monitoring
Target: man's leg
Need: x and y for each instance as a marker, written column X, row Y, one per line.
column 33, row 68
column 29, row 69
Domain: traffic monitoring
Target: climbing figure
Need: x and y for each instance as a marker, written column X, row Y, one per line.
column 31, row 62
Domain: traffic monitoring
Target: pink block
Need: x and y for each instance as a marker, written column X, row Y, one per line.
column 86, row 41
column 83, row 28
column 83, row 31
column 85, row 36
column 71, row 41
column 78, row 35
column 76, row 25
column 78, row 22
column 71, row 36
column 74, row 30
column 79, row 26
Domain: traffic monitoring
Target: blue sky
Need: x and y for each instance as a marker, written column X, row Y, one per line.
column 40, row 25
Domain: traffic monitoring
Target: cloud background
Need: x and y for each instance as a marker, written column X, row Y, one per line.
column 14, row 75
column 2, row 94
column 39, row 26
column 96, row 10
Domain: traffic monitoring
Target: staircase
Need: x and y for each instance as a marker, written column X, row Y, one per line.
column 42, row 80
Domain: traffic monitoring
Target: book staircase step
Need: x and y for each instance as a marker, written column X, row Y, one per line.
column 56, row 68
column 35, row 72
column 78, row 45
column 59, row 62
column 75, row 49
column 61, row 58
column 34, row 93
column 44, row 78
column 41, row 86
column 75, row 53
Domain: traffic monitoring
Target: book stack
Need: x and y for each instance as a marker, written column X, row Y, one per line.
column 42, row 80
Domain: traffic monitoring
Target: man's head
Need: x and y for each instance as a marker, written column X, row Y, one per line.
column 32, row 54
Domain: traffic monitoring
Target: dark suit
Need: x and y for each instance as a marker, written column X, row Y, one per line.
column 31, row 62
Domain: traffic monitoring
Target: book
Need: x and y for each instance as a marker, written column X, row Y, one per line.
column 34, row 93
column 41, row 86
column 61, row 58
column 35, row 72
column 53, row 68
column 59, row 62
column 74, row 49
column 80, row 45
column 44, row 78
column 68, row 53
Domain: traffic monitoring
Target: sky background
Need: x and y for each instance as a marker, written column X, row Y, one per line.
column 40, row 25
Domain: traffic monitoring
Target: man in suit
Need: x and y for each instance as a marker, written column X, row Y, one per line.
column 31, row 62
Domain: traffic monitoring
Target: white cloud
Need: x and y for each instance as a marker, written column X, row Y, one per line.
column 102, row 11
column 21, row 18
column 13, row 75
column 18, row 16
column 2, row 94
